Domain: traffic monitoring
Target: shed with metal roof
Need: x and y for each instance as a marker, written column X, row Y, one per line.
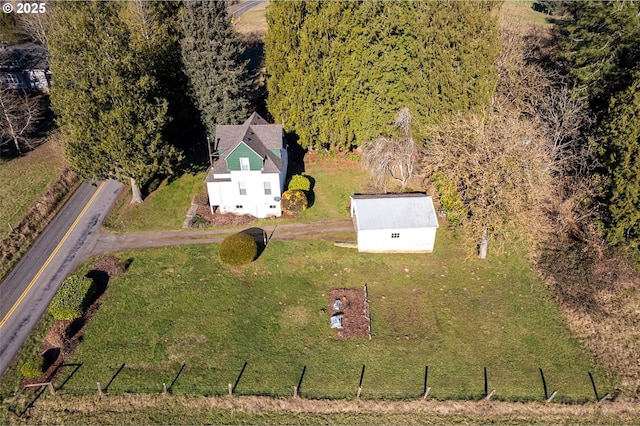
column 394, row 223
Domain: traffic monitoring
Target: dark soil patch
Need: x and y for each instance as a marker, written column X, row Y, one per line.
column 224, row 219
column 354, row 309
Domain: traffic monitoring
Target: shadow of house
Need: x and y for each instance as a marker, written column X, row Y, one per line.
column 296, row 155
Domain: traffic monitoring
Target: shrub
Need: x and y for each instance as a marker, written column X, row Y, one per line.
column 72, row 298
column 238, row 249
column 299, row 182
column 32, row 367
column 449, row 199
column 294, row 201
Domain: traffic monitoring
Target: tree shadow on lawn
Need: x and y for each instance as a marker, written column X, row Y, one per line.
column 261, row 238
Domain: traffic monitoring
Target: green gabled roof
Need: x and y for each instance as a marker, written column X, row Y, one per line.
column 255, row 139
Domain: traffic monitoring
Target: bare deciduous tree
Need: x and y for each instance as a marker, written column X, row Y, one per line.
column 19, row 115
column 394, row 157
column 36, row 25
column 511, row 164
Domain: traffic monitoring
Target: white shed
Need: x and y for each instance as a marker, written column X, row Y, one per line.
column 394, row 223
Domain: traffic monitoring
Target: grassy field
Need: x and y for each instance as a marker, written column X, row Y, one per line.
column 456, row 315
column 253, row 21
column 521, row 12
column 23, row 179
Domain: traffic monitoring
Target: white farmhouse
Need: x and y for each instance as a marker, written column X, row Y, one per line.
column 394, row 223
column 249, row 174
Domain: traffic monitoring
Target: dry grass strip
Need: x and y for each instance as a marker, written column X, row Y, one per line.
column 128, row 408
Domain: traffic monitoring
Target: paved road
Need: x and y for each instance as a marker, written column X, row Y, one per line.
column 67, row 241
column 238, row 9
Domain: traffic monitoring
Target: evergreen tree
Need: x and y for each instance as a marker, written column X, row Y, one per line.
column 621, row 151
column 601, row 45
column 339, row 71
column 211, row 53
column 105, row 95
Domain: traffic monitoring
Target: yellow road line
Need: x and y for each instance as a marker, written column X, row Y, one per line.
column 55, row 251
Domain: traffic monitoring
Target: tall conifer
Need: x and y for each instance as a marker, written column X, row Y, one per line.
column 105, row 97
column 339, row 71
column 211, row 53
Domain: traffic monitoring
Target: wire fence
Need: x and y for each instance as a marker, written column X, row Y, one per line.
column 361, row 383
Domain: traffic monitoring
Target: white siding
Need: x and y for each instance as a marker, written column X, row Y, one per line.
column 226, row 195
column 415, row 240
column 394, row 224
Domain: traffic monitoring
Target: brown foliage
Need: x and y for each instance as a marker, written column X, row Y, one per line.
column 394, row 157
column 521, row 161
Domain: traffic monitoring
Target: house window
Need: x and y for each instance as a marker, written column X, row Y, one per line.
column 267, row 188
column 395, row 235
column 243, row 188
column 244, row 163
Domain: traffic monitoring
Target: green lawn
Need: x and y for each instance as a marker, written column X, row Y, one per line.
column 23, row 179
column 456, row 315
column 165, row 209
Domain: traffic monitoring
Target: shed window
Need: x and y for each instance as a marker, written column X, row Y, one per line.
column 395, row 235
column 244, row 164
column 243, row 188
column 267, row 188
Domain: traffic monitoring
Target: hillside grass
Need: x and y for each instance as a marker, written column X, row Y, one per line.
column 23, row 179
column 179, row 306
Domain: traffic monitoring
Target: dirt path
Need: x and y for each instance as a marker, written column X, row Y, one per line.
column 107, row 242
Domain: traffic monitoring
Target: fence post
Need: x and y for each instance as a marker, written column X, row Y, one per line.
column 230, row 389
column 99, row 388
column 487, row 394
column 295, row 391
column 239, row 377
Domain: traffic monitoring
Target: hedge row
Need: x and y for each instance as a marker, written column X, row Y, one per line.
column 72, row 298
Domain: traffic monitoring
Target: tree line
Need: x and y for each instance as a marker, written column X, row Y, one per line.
column 339, row 71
